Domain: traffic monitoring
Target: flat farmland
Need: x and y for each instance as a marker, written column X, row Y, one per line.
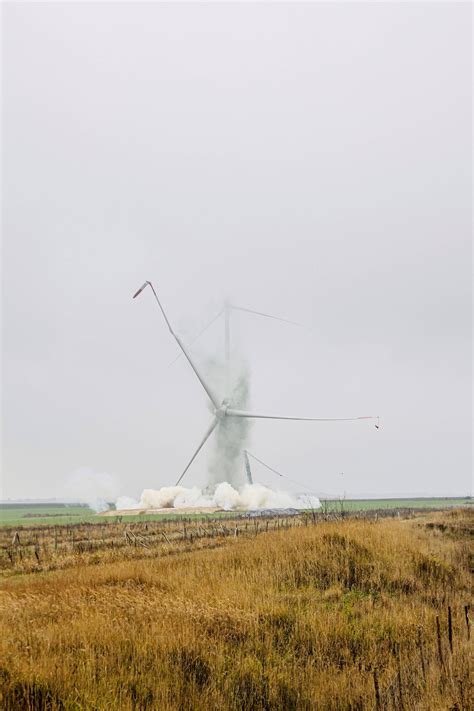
column 315, row 611
column 44, row 514
column 59, row 514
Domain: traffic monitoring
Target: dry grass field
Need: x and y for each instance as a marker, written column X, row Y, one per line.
column 292, row 614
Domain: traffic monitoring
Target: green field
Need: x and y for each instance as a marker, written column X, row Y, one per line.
column 44, row 514
column 62, row 514
column 373, row 504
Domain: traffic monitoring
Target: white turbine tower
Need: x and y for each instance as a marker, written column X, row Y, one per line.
column 223, row 408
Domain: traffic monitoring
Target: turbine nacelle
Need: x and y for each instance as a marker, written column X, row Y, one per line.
column 221, row 411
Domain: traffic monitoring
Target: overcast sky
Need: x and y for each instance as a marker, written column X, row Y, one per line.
column 309, row 160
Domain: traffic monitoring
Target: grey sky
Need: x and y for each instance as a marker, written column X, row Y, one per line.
column 309, row 160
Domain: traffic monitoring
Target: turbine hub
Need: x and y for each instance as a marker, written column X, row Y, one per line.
column 221, row 411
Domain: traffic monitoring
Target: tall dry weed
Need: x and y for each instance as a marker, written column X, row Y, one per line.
column 305, row 617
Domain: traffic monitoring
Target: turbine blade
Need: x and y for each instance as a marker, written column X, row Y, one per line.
column 161, row 308
column 201, row 445
column 139, row 290
column 211, row 395
column 197, row 337
column 243, row 413
column 260, row 313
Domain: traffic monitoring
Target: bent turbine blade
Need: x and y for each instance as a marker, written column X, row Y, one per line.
column 209, row 392
column 243, row 413
column 201, row 445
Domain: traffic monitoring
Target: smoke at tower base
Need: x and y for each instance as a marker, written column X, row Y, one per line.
column 247, row 498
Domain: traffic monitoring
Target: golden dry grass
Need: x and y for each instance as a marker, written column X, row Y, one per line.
column 297, row 618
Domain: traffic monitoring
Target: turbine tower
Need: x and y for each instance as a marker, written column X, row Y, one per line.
column 223, row 408
column 248, row 471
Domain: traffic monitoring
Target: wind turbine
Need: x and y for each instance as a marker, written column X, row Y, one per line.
column 223, row 408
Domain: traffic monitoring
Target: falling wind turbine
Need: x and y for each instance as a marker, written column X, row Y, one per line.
column 223, row 408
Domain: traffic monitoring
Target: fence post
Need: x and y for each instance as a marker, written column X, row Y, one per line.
column 377, row 691
column 450, row 629
column 466, row 616
column 438, row 636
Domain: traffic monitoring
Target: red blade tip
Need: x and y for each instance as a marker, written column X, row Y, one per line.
column 139, row 290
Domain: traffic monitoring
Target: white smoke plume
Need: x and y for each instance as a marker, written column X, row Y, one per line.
column 232, row 434
column 97, row 489
column 127, row 502
column 249, row 497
